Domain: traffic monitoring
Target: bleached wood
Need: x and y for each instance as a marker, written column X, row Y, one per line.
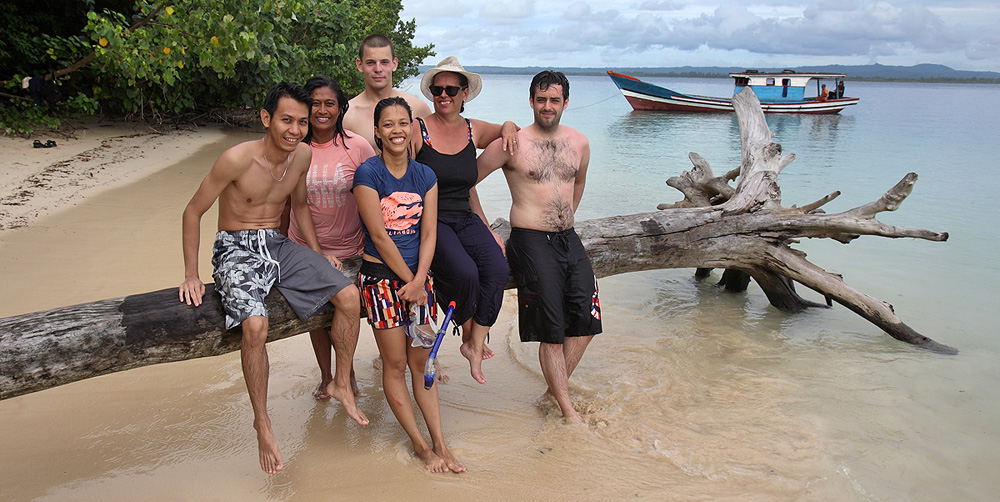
column 743, row 230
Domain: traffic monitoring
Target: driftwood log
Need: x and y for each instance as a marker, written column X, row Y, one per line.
column 744, row 230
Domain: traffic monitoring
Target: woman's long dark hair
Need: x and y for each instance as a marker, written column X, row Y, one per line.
column 338, row 130
column 386, row 103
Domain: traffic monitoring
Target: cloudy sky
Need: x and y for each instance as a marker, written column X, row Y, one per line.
column 963, row 34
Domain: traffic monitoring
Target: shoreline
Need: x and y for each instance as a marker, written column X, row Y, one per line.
column 92, row 158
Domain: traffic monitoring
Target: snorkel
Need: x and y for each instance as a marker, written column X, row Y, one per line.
column 430, row 369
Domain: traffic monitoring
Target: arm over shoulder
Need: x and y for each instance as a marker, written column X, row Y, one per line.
column 492, row 158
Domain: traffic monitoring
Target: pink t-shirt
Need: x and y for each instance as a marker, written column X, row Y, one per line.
column 328, row 183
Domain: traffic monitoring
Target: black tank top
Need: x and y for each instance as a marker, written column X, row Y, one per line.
column 456, row 173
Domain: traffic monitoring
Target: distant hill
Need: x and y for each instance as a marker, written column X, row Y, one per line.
column 920, row 72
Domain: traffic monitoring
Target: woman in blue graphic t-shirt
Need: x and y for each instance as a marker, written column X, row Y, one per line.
column 395, row 196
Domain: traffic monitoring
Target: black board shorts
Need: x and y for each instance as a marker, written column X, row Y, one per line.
column 556, row 287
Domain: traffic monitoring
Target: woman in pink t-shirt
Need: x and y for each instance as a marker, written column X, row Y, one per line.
column 336, row 154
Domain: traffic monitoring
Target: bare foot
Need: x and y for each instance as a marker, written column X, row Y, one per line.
column 475, row 363
column 346, row 398
column 270, row 457
column 320, row 392
column 487, row 352
column 449, row 459
column 432, row 461
column 441, row 375
column 573, row 417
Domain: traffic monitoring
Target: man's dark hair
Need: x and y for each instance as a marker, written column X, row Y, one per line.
column 374, row 41
column 544, row 79
column 283, row 89
column 318, row 82
column 386, row 103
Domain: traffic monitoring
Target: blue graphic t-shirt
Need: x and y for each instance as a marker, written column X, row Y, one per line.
column 402, row 201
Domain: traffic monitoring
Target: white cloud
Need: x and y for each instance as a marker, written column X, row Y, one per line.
column 666, row 5
column 507, row 11
column 667, row 33
column 577, row 11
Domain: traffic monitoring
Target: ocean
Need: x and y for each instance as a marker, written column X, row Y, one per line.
column 691, row 393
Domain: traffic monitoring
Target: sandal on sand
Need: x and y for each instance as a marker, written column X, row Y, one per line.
column 50, row 144
column 38, row 144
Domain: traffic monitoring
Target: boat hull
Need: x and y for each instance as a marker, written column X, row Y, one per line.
column 645, row 96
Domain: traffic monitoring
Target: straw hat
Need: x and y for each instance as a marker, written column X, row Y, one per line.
column 451, row 64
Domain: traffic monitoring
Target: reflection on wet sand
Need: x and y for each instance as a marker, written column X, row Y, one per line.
column 679, row 402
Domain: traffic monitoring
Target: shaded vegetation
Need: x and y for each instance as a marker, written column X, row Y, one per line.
column 164, row 60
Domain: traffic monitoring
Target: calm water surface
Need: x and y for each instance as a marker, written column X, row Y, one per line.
column 725, row 387
column 690, row 394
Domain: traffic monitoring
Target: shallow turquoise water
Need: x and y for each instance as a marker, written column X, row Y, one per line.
column 872, row 418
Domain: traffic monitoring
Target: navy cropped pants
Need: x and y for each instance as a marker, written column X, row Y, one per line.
column 469, row 268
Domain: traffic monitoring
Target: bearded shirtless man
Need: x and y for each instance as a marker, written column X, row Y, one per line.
column 556, row 286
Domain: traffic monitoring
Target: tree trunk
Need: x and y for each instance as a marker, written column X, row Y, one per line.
column 745, row 230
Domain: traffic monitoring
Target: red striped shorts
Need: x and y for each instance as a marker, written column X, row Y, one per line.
column 379, row 295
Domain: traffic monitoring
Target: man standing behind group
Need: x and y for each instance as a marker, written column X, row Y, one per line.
column 376, row 61
column 556, row 287
column 252, row 181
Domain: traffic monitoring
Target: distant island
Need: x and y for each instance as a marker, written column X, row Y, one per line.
column 874, row 72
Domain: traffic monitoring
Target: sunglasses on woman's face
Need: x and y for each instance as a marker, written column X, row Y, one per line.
column 452, row 90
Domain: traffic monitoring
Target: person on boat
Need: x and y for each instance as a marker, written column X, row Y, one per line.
column 557, row 297
column 336, row 155
column 469, row 266
column 252, row 181
column 840, row 89
column 376, row 61
column 823, row 93
column 397, row 198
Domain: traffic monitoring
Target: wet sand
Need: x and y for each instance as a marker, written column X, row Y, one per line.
column 183, row 430
column 687, row 407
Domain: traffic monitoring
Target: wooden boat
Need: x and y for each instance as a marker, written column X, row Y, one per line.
column 782, row 92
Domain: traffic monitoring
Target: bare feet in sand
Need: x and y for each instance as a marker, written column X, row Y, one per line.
column 441, row 375
column 570, row 415
column 320, row 392
column 449, row 459
column 475, row 362
column 572, row 418
column 270, row 457
column 432, row 461
column 346, row 398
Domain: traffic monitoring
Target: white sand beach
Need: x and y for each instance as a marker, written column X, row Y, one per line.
column 691, row 393
column 109, row 226
column 89, row 158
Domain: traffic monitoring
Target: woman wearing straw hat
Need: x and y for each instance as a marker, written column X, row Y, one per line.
column 469, row 265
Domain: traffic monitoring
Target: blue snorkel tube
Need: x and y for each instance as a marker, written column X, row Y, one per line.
column 430, row 369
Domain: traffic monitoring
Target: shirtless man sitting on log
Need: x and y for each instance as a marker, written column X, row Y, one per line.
column 556, row 286
column 252, row 181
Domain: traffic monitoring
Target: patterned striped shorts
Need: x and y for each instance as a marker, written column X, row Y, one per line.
column 379, row 295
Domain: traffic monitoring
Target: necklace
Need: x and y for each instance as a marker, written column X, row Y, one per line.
column 268, row 167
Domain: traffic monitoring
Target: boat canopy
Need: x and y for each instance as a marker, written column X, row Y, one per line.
column 787, row 78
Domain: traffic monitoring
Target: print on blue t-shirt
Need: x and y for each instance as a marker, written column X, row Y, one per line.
column 402, row 201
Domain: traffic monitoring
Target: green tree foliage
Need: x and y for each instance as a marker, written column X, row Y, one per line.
column 168, row 57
